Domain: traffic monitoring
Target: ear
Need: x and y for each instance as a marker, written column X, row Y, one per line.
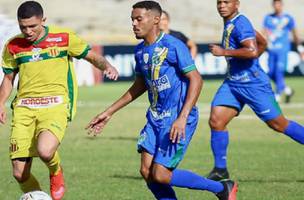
column 237, row 4
column 43, row 20
column 156, row 20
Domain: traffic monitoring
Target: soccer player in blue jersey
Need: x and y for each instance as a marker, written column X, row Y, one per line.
column 246, row 83
column 165, row 69
column 277, row 27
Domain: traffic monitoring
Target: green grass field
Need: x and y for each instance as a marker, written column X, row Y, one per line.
column 267, row 165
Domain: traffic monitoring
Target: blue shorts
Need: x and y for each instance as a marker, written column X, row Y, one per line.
column 155, row 140
column 260, row 99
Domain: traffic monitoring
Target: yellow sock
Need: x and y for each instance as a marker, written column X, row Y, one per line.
column 54, row 164
column 30, row 184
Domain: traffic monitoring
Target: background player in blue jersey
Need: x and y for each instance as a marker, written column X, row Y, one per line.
column 246, row 83
column 164, row 26
column 277, row 28
column 165, row 69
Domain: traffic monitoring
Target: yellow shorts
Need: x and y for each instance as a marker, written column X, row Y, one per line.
column 28, row 122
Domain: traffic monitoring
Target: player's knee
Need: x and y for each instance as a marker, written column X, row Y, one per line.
column 160, row 177
column 145, row 173
column 216, row 123
column 279, row 124
column 45, row 154
column 20, row 176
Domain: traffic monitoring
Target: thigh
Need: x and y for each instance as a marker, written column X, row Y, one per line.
column 281, row 63
column 225, row 97
column 262, row 101
column 22, row 139
column 53, row 120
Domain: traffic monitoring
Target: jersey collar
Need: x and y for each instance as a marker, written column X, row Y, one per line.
column 46, row 28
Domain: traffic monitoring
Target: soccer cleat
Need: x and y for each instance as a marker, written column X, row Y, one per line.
column 57, row 185
column 289, row 95
column 229, row 192
column 218, row 174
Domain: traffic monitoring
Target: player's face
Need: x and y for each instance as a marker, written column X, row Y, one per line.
column 227, row 8
column 278, row 6
column 32, row 28
column 143, row 22
column 164, row 22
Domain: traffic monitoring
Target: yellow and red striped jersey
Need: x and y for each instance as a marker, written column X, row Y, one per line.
column 45, row 67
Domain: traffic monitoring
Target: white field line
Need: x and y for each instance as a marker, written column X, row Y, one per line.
column 203, row 107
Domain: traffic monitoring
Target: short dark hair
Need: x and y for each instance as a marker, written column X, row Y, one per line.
column 148, row 5
column 166, row 13
column 29, row 9
column 273, row 1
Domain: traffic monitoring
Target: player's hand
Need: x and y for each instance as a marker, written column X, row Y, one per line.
column 2, row 114
column 111, row 73
column 216, row 50
column 177, row 131
column 98, row 123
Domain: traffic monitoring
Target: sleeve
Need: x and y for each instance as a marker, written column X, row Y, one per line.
column 9, row 64
column 78, row 48
column 244, row 30
column 184, row 59
column 291, row 23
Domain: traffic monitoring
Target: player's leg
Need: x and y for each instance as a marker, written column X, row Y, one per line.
column 22, row 147
column 290, row 128
column 51, row 125
column 268, row 110
column 164, row 169
column 224, row 108
column 283, row 62
column 147, row 148
column 22, row 173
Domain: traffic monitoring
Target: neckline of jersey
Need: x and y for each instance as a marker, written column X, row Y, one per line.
column 159, row 37
column 46, row 28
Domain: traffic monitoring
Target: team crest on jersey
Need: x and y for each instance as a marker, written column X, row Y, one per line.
column 36, row 55
column 13, row 146
column 146, row 57
column 53, row 52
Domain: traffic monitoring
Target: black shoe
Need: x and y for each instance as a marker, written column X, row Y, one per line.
column 229, row 192
column 218, row 174
column 288, row 97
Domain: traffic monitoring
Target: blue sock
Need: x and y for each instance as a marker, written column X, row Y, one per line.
column 162, row 191
column 219, row 145
column 187, row 179
column 295, row 131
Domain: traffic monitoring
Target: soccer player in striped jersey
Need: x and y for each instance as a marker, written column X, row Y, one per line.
column 246, row 83
column 46, row 94
column 165, row 69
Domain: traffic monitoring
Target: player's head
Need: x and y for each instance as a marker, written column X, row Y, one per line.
column 164, row 21
column 277, row 6
column 31, row 20
column 228, row 8
column 145, row 18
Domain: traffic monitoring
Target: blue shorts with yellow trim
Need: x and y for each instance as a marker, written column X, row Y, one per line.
column 155, row 140
column 260, row 99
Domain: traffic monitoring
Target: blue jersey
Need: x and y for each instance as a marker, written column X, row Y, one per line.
column 163, row 65
column 278, row 28
column 241, row 72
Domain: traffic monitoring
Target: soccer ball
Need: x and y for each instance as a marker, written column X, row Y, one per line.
column 35, row 195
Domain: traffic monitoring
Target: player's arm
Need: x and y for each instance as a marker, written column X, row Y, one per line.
column 261, row 43
column 5, row 91
column 101, row 63
column 195, row 85
column 192, row 47
column 97, row 123
column 249, row 50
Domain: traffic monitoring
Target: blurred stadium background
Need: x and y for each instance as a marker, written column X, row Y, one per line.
column 106, row 25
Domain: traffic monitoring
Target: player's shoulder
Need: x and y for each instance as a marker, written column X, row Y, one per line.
column 59, row 29
column 241, row 19
column 289, row 16
column 171, row 42
column 16, row 40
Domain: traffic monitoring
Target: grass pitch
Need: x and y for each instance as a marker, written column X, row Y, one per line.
column 267, row 165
